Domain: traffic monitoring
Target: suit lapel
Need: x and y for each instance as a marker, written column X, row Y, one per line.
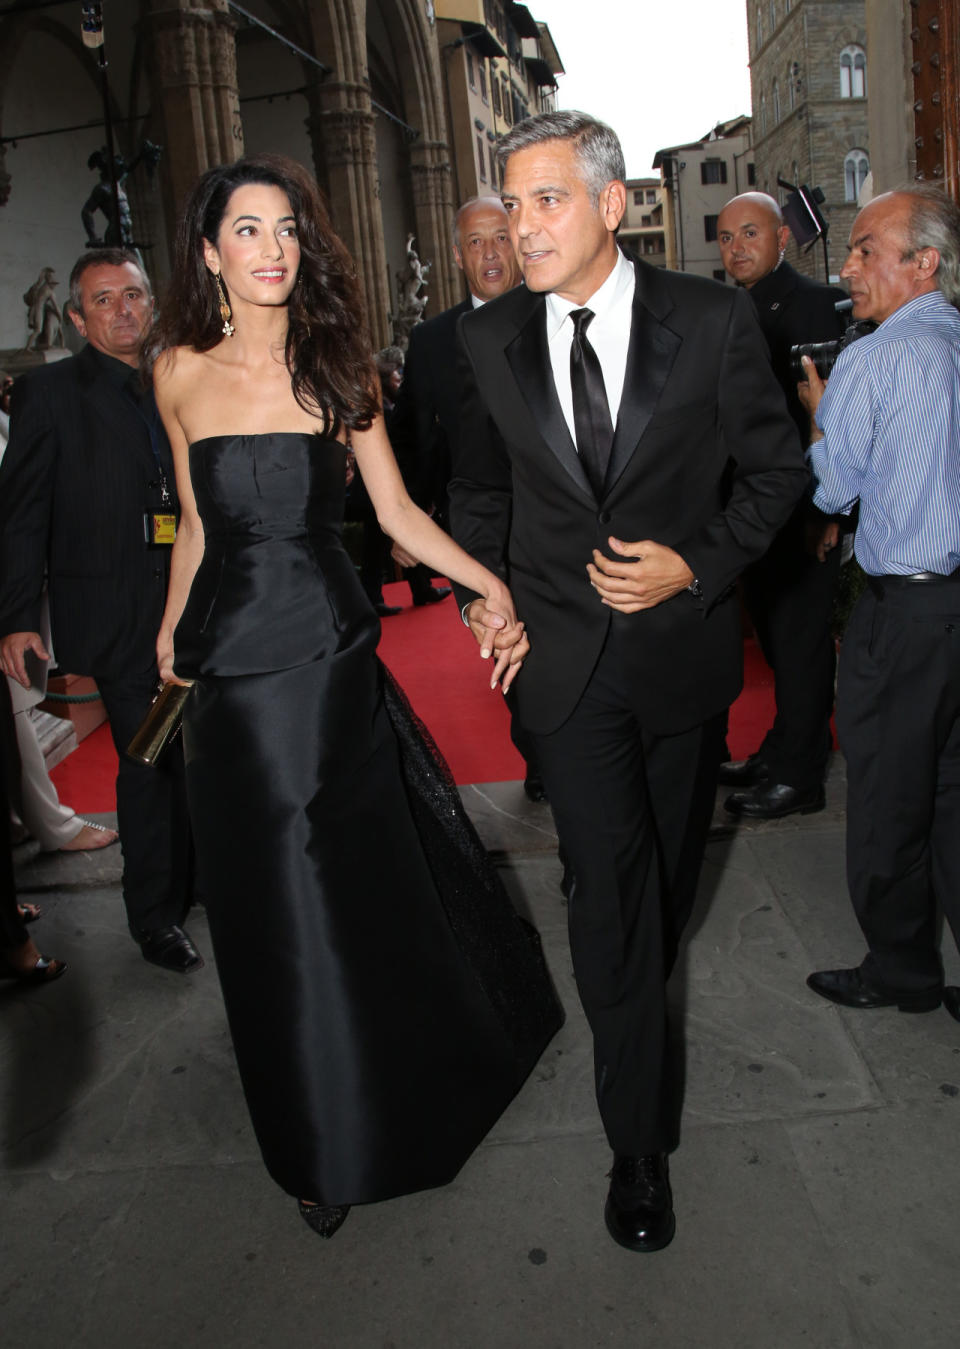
column 650, row 356
column 529, row 358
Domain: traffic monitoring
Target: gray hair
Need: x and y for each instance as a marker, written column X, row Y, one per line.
column 934, row 222
column 100, row 257
column 596, row 146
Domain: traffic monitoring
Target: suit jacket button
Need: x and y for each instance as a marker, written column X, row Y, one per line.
column 604, row 517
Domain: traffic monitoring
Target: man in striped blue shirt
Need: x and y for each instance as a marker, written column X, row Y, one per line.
column 887, row 433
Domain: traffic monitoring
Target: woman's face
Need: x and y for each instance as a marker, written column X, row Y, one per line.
column 257, row 251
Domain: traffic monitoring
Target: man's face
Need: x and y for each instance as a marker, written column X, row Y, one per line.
column 566, row 243
column 485, row 254
column 117, row 309
column 750, row 239
column 880, row 280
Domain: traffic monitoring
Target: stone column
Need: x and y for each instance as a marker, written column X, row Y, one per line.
column 193, row 70
column 345, row 152
column 432, row 181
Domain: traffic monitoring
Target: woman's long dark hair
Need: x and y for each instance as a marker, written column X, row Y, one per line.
column 328, row 350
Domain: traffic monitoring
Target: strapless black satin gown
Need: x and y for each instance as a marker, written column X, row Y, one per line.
column 385, row 1000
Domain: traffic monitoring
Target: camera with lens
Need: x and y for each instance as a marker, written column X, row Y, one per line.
column 824, row 354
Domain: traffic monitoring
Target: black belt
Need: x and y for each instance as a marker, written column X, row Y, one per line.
column 880, row 584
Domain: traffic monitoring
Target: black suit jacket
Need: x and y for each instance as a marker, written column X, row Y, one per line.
column 705, row 460
column 78, row 474
column 792, row 309
column 426, row 416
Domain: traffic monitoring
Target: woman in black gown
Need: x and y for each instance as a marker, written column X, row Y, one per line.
column 384, row 999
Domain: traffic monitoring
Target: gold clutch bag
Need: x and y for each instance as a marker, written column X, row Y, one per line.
column 161, row 725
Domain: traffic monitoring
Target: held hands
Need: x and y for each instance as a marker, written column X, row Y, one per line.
column 500, row 634
column 657, row 574
column 13, row 650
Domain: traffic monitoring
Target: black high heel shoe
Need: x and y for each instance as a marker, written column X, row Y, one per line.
column 325, row 1219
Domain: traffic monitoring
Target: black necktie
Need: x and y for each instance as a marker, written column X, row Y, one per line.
column 591, row 411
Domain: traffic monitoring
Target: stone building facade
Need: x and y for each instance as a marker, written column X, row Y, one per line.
column 646, row 221
column 810, row 87
column 355, row 89
column 697, row 180
column 499, row 65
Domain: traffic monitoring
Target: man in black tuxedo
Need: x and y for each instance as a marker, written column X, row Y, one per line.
column 620, row 478
column 789, row 592
column 87, row 496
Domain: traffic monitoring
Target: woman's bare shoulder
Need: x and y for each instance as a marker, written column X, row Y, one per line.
column 176, row 364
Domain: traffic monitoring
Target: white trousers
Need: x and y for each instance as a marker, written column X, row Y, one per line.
column 50, row 822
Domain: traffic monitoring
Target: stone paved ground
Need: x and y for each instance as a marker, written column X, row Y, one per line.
column 816, row 1185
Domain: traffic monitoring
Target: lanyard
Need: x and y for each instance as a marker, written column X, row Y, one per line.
column 152, row 424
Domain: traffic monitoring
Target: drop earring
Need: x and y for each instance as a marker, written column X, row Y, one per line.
column 225, row 312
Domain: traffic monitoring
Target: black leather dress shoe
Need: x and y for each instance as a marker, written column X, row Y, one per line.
column 743, row 772
column 387, row 610
column 171, row 949
column 852, row 988
column 639, row 1211
column 534, row 789
column 432, row 595
column 951, row 1000
column 773, row 800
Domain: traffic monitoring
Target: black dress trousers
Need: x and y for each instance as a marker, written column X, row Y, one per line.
column 898, row 717
column 632, row 811
column 151, row 813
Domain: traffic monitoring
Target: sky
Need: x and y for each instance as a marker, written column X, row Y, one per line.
column 660, row 72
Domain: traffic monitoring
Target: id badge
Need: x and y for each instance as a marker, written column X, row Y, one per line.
column 159, row 528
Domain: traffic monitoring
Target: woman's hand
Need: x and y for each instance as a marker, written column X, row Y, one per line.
column 165, row 659
column 499, row 632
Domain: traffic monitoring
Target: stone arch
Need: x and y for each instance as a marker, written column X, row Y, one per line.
column 13, row 32
column 49, row 81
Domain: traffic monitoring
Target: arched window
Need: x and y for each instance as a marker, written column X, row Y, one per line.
column 759, row 26
column 776, row 103
column 853, row 72
column 856, row 166
column 796, row 173
column 773, row 15
column 792, row 85
column 763, row 114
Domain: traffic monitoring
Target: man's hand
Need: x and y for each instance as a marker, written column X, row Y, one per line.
column 810, row 391
column 495, row 635
column 13, row 649
column 402, row 557
column 821, row 537
column 658, row 574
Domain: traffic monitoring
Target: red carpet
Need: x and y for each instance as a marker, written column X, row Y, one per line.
column 437, row 662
